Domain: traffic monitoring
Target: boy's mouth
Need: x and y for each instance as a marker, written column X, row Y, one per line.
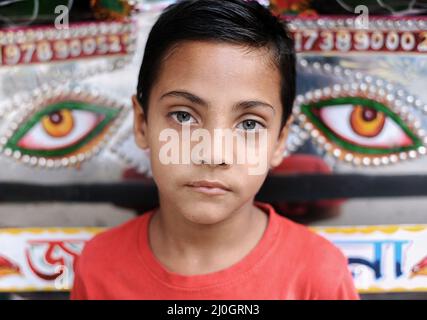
column 209, row 187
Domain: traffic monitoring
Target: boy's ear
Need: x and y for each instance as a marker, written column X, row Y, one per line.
column 281, row 145
column 139, row 124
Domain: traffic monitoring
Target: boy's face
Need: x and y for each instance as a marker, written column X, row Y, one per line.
column 207, row 85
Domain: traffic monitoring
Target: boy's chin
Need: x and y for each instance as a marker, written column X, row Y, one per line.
column 206, row 213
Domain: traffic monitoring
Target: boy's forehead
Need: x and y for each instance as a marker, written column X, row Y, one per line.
column 211, row 66
column 220, row 56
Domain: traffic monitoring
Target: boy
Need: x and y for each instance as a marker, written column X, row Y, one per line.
column 213, row 66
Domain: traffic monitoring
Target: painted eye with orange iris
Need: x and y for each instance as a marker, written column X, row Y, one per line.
column 62, row 128
column 367, row 122
column 59, row 123
column 361, row 125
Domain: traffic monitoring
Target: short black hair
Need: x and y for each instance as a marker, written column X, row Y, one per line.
column 240, row 22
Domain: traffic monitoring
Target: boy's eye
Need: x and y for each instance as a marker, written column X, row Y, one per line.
column 250, row 125
column 182, row 117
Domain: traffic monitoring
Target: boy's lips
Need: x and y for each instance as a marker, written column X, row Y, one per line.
column 210, row 187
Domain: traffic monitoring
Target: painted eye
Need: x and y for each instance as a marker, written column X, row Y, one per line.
column 360, row 126
column 63, row 128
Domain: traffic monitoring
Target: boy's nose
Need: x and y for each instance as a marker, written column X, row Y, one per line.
column 216, row 159
column 214, row 164
column 221, row 150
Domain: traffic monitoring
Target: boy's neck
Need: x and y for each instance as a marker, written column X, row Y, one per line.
column 189, row 248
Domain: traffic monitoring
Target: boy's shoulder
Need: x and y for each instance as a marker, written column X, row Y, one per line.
column 306, row 234
column 112, row 242
column 320, row 269
column 305, row 242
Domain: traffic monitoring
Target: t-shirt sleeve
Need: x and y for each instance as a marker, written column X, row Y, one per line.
column 337, row 284
column 78, row 291
column 346, row 289
column 331, row 278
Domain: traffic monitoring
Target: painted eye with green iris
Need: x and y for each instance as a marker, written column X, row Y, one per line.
column 361, row 125
column 62, row 129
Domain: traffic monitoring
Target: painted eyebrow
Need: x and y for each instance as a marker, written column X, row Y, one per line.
column 197, row 100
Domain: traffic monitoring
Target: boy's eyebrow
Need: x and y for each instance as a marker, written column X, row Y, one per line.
column 197, row 100
column 186, row 95
column 251, row 104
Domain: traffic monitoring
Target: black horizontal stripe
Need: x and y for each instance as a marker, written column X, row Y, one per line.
column 275, row 188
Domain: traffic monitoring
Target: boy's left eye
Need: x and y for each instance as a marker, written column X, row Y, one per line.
column 250, row 125
column 182, row 117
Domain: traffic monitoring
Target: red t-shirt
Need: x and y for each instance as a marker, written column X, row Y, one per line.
column 289, row 262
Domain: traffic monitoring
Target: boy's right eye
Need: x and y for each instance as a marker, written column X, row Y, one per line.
column 182, row 117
